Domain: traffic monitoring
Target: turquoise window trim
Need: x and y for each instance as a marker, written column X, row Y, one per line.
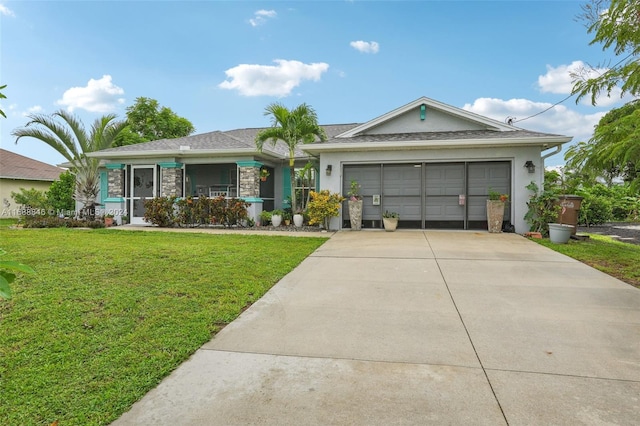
column 115, row 166
column 170, row 165
column 249, row 164
column 104, row 186
column 423, row 111
column 252, row 199
column 114, row 200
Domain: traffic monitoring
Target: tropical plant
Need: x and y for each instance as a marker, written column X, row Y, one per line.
column 543, row 209
column 293, row 127
column 66, row 134
column 2, row 96
column 615, row 25
column 390, row 215
column 613, row 150
column 323, row 206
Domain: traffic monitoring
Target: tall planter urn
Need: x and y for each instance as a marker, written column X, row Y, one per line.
column 495, row 215
column 355, row 214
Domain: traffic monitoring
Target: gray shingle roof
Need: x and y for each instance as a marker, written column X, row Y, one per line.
column 238, row 139
column 429, row 136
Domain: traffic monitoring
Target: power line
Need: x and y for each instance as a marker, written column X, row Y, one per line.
column 511, row 120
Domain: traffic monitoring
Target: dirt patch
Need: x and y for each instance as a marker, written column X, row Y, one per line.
column 625, row 232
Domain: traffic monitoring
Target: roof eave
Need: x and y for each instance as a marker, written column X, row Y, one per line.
column 183, row 153
column 545, row 142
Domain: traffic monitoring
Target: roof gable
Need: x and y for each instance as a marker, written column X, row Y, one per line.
column 16, row 166
column 426, row 115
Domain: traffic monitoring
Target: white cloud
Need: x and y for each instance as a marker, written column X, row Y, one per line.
column 270, row 80
column 36, row 109
column 558, row 80
column 365, row 46
column 558, row 120
column 5, row 11
column 261, row 16
column 97, row 96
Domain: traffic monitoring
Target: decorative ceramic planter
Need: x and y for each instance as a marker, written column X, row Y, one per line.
column 276, row 220
column 495, row 215
column 298, row 220
column 560, row 233
column 355, row 214
column 390, row 223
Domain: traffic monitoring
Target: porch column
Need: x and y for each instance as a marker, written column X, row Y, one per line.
column 115, row 179
column 171, row 183
column 249, row 186
column 114, row 202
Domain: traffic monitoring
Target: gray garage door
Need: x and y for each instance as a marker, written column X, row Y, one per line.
column 428, row 195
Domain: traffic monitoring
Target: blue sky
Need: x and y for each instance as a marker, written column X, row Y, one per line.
column 219, row 63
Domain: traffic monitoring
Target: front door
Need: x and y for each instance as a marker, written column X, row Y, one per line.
column 143, row 184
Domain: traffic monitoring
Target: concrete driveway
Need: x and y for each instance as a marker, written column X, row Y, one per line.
column 415, row 327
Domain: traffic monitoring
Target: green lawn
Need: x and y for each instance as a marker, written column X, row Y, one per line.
column 110, row 313
column 612, row 257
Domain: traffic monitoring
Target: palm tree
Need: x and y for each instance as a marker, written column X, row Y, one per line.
column 66, row 134
column 293, row 127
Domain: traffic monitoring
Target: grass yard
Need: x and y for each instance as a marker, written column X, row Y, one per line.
column 110, row 313
column 612, row 257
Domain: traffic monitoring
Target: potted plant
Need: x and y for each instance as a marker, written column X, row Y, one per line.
column 264, row 174
column 355, row 206
column 560, row 233
column 276, row 217
column 286, row 217
column 265, row 217
column 323, row 206
column 124, row 219
column 495, row 210
column 108, row 220
column 390, row 220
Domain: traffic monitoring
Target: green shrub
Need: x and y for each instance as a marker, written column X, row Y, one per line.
column 160, row 211
column 167, row 212
column 60, row 193
column 543, row 209
column 595, row 210
column 41, row 221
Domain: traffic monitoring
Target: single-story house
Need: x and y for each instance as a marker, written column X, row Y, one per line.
column 18, row 171
column 432, row 163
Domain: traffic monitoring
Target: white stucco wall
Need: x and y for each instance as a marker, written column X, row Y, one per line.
column 520, row 177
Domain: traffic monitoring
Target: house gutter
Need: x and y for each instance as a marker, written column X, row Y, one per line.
column 554, row 152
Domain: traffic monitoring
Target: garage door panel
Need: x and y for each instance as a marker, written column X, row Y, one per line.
column 444, row 208
column 401, row 180
column 494, row 175
column 409, row 208
column 444, row 179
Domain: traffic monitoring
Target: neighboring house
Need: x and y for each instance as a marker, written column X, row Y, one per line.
column 430, row 162
column 16, row 172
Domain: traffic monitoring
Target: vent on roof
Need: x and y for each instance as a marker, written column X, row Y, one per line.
column 185, row 147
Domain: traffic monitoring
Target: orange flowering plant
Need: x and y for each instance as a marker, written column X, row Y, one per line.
column 323, row 206
column 495, row 195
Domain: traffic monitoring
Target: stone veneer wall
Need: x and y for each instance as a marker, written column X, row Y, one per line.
column 115, row 179
column 171, row 185
column 249, row 182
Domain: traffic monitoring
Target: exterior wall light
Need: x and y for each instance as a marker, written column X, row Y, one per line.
column 328, row 171
column 530, row 166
